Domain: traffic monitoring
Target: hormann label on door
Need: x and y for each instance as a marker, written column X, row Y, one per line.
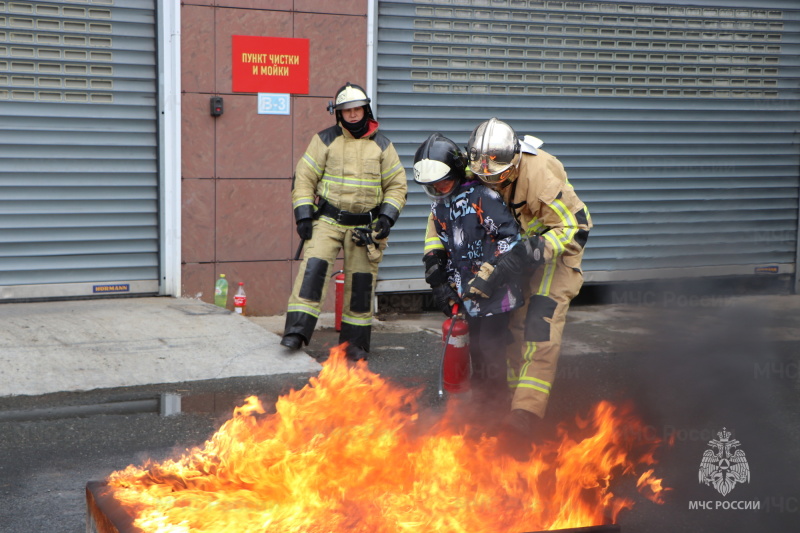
column 270, row 65
column 115, row 287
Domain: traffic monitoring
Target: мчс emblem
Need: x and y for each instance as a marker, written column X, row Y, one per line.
column 724, row 468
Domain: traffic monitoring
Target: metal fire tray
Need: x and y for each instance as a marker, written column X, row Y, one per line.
column 105, row 515
column 610, row 528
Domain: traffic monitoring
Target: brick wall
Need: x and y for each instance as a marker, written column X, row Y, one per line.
column 237, row 168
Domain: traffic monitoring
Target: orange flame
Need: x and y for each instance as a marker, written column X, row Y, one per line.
column 650, row 486
column 350, row 452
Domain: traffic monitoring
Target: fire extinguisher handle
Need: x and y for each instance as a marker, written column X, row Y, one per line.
column 455, row 309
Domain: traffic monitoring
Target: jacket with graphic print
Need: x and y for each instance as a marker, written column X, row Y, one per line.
column 354, row 175
column 475, row 226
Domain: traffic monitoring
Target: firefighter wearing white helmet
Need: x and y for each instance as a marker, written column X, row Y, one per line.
column 349, row 185
column 556, row 225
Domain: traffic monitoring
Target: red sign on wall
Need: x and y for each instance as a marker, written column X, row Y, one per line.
column 270, row 65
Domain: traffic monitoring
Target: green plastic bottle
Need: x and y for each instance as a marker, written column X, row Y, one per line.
column 221, row 291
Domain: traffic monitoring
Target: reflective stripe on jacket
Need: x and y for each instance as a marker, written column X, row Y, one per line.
column 545, row 204
column 354, row 175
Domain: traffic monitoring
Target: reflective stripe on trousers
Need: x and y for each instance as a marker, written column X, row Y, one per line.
column 533, row 361
column 311, row 284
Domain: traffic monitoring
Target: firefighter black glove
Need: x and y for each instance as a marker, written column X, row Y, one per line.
column 530, row 253
column 445, row 297
column 382, row 227
column 304, row 228
column 362, row 236
column 443, row 294
column 435, row 262
column 369, row 238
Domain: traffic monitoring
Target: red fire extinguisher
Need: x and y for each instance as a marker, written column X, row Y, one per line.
column 338, row 279
column 455, row 365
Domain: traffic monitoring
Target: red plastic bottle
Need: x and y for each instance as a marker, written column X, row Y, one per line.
column 240, row 300
column 456, row 365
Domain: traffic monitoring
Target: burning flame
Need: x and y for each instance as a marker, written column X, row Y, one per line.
column 352, row 452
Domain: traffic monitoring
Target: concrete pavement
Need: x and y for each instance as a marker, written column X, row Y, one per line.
column 65, row 346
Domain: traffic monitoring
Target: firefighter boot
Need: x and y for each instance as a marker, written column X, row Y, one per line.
column 293, row 341
column 357, row 339
column 356, row 353
column 517, row 432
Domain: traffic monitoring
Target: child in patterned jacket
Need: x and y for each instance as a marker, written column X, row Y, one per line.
column 474, row 228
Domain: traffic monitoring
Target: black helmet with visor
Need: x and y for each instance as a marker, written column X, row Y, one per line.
column 439, row 166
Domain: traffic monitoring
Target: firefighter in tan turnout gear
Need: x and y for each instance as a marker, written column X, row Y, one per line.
column 555, row 225
column 349, row 189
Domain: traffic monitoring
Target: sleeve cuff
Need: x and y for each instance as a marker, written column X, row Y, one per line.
column 302, row 212
column 390, row 211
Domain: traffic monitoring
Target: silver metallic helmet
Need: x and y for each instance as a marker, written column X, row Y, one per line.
column 349, row 96
column 494, row 152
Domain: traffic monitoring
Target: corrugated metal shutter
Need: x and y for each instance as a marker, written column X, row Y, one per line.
column 676, row 123
column 78, row 148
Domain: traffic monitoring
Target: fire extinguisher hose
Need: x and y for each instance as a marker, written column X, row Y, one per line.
column 444, row 351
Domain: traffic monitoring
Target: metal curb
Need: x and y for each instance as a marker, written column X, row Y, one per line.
column 167, row 404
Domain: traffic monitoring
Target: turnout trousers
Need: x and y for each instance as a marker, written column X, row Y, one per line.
column 537, row 328
column 311, row 284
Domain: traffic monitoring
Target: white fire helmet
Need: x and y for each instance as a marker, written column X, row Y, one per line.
column 349, row 96
column 494, row 152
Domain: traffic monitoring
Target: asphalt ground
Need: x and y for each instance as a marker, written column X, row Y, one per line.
column 689, row 363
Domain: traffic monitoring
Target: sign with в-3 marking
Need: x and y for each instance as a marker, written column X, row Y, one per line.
column 274, row 104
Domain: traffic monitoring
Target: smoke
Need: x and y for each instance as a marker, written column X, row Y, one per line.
column 711, row 361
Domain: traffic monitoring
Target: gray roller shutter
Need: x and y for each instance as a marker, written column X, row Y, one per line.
column 78, row 148
column 676, row 123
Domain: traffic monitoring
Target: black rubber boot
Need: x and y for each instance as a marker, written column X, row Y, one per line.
column 293, row 341
column 298, row 330
column 522, row 422
column 357, row 339
column 517, row 432
column 356, row 353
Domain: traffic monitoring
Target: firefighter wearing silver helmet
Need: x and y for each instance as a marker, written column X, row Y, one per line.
column 494, row 152
column 555, row 224
column 349, row 188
